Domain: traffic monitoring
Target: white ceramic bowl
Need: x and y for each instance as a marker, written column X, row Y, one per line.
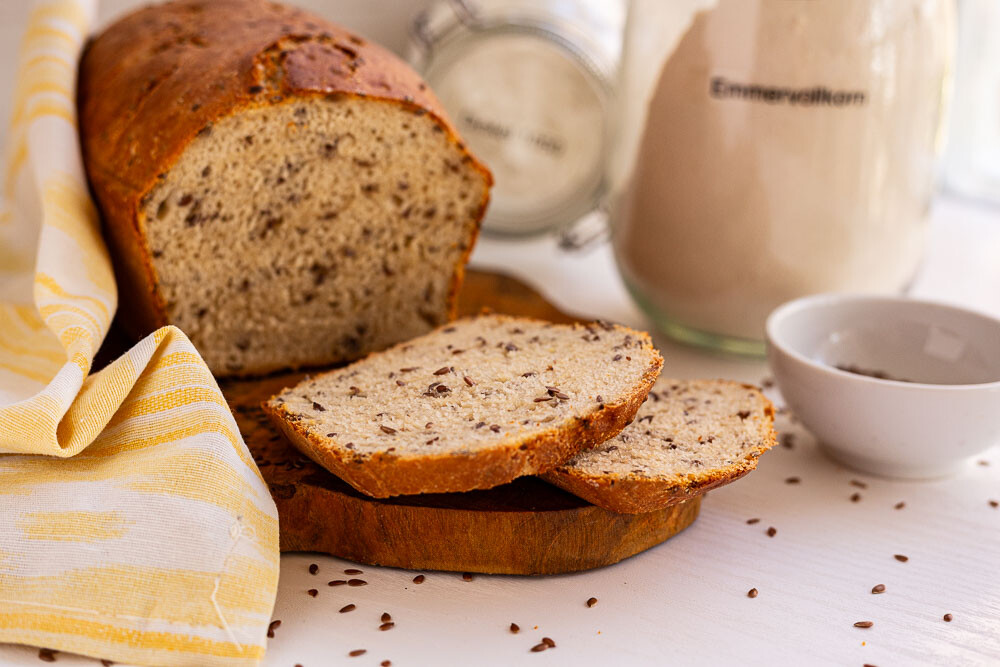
column 929, row 426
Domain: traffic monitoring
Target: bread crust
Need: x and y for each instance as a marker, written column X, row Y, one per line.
column 161, row 75
column 384, row 475
column 633, row 494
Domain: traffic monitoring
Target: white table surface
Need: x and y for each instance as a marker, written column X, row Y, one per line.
column 685, row 602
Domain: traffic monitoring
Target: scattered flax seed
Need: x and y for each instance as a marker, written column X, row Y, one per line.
column 336, row 582
column 878, row 588
column 900, row 505
column 984, row 462
column 46, row 655
column 591, row 602
column 548, row 642
column 419, row 579
column 788, row 440
column 537, row 648
column 495, row 428
column 352, row 570
column 855, row 497
column 751, row 522
column 469, row 381
column 106, row 662
column 388, row 429
column 542, row 399
column 386, row 617
column 358, row 651
column 388, row 625
column 858, row 483
column 863, row 624
column 901, row 558
column 347, row 608
column 386, row 663
column 467, row 576
column 272, row 627
column 772, row 531
column 994, row 503
column 314, row 568
column 947, row 618
column 444, row 370
column 752, row 593
column 318, row 407
column 792, row 480
column 357, row 582
column 515, row 628
column 312, row 592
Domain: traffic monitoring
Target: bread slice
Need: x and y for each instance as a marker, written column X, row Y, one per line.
column 471, row 405
column 690, row 436
column 286, row 192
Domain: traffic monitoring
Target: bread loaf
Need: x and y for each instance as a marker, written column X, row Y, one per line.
column 284, row 191
column 471, row 405
column 689, row 437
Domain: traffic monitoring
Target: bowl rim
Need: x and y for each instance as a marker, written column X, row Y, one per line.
column 827, row 299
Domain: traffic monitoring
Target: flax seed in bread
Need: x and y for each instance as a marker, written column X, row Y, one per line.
column 471, row 405
column 689, row 437
column 284, row 191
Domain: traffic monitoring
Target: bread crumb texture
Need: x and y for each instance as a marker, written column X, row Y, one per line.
column 690, row 436
column 471, row 405
column 312, row 231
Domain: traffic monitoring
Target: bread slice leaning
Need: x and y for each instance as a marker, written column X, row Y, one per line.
column 690, row 436
column 471, row 405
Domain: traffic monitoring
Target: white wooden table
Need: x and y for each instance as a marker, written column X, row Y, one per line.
column 685, row 602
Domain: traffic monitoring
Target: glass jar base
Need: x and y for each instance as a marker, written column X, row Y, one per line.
column 682, row 333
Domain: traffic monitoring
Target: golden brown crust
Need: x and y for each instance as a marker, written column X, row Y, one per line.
column 526, row 527
column 159, row 76
column 632, row 494
column 385, row 475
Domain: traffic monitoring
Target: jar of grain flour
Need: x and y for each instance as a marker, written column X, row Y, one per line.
column 775, row 148
column 528, row 83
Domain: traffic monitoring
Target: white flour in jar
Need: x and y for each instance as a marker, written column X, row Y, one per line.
column 787, row 149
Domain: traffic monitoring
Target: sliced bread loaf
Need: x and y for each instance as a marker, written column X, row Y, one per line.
column 471, row 405
column 690, row 436
column 286, row 192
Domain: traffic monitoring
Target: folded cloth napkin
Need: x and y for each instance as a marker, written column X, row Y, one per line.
column 134, row 525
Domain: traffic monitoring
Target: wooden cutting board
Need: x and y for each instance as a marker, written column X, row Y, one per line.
column 526, row 527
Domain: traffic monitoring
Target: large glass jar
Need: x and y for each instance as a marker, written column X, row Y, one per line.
column 780, row 148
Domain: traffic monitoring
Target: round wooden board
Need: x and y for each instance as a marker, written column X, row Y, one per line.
column 526, row 527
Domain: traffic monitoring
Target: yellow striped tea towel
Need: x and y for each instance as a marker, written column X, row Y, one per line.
column 134, row 525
